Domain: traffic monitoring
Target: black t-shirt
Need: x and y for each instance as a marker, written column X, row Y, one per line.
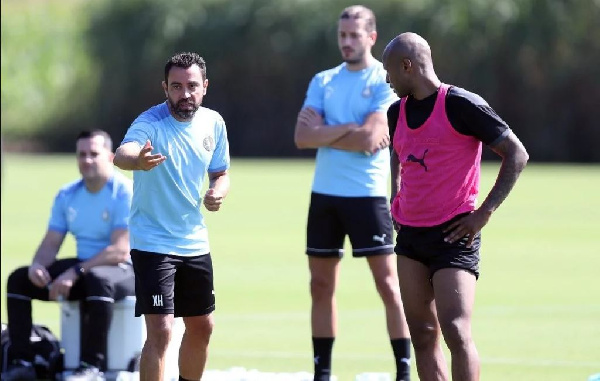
column 468, row 113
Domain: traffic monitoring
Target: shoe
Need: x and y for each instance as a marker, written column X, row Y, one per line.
column 86, row 372
column 20, row 370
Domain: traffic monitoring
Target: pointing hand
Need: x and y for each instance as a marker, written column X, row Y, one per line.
column 147, row 161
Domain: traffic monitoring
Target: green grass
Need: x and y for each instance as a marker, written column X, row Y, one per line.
column 537, row 314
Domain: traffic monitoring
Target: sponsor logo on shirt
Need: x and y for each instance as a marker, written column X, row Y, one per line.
column 421, row 160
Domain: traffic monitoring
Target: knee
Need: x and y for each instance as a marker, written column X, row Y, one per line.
column 200, row 328
column 389, row 290
column 17, row 279
column 457, row 333
column 158, row 336
column 321, row 288
column 97, row 284
column 424, row 335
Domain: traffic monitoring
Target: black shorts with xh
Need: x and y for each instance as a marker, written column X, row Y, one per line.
column 427, row 245
column 366, row 221
column 173, row 284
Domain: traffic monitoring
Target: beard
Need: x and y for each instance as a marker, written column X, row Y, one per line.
column 352, row 61
column 179, row 110
column 355, row 57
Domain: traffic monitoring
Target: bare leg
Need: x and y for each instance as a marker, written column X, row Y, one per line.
column 455, row 297
column 419, row 307
column 385, row 274
column 193, row 351
column 323, row 281
column 158, row 335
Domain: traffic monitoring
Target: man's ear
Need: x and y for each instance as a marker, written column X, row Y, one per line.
column 165, row 88
column 374, row 36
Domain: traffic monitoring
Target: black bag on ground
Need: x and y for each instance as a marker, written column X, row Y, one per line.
column 48, row 360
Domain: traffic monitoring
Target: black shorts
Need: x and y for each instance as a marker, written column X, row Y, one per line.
column 366, row 221
column 427, row 245
column 173, row 284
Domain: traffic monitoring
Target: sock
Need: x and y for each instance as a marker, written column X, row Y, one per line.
column 322, row 347
column 401, row 348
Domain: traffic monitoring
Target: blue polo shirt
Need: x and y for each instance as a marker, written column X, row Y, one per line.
column 166, row 211
column 343, row 96
column 92, row 217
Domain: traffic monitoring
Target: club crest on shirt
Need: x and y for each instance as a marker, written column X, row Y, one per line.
column 105, row 215
column 367, row 92
column 208, row 143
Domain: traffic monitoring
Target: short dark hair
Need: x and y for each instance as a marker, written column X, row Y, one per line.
column 185, row 60
column 87, row 134
column 360, row 12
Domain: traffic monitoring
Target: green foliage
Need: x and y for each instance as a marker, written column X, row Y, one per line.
column 46, row 69
column 536, row 314
column 101, row 63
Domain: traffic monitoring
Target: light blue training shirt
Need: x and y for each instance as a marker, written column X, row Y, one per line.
column 92, row 217
column 343, row 96
column 166, row 214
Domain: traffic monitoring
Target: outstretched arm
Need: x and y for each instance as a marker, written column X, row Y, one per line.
column 514, row 158
column 311, row 132
column 372, row 136
column 130, row 156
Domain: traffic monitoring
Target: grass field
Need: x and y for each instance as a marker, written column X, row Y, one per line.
column 537, row 314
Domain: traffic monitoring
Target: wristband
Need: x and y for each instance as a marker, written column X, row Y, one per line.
column 79, row 270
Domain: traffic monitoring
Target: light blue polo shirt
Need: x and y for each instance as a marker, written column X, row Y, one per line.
column 92, row 217
column 166, row 211
column 343, row 96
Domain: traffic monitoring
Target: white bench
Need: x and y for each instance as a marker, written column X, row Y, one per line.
column 126, row 338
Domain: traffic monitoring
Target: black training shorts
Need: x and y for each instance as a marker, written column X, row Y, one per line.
column 173, row 284
column 426, row 245
column 366, row 221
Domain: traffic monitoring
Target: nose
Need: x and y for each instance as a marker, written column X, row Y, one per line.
column 346, row 42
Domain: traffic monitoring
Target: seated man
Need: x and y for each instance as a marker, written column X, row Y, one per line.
column 95, row 210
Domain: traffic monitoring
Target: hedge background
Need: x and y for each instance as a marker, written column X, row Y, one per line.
column 74, row 64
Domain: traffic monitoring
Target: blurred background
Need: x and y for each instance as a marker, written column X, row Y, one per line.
column 74, row 64
column 69, row 65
